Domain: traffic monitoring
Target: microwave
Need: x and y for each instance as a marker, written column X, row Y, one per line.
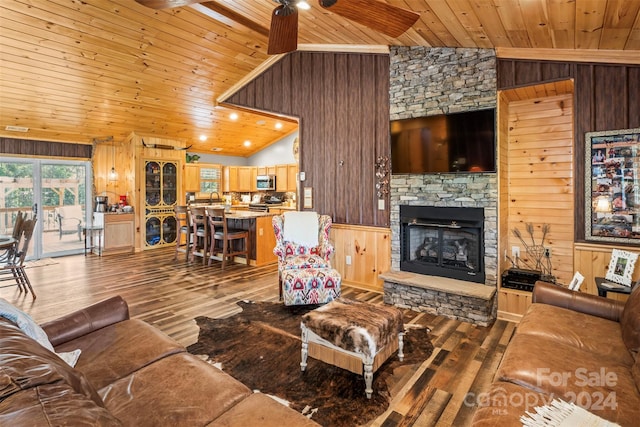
column 266, row 182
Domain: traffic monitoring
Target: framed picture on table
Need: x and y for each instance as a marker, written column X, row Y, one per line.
column 612, row 186
column 621, row 266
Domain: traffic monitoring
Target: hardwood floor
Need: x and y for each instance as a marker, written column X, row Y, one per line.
column 170, row 294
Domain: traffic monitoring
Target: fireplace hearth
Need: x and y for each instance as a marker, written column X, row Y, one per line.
column 442, row 241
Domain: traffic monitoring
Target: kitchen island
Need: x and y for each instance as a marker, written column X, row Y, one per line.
column 261, row 235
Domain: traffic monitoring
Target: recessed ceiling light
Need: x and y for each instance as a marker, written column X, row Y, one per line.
column 16, row 128
column 203, row 137
column 247, row 143
column 278, row 125
column 233, row 116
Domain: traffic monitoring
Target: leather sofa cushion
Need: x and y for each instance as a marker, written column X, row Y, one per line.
column 504, row 404
column 569, row 327
column 261, row 410
column 177, row 390
column 630, row 321
column 544, row 365
column 26, row 364
column 116, row 351
column 53, row 405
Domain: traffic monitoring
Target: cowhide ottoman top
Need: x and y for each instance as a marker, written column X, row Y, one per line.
column 355, row 326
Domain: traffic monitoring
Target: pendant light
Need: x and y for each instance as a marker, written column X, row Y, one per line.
column 113, row 175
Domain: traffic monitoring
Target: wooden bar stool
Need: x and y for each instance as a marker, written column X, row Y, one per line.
column 200, row 230
column 228, row 237
column 183, row 226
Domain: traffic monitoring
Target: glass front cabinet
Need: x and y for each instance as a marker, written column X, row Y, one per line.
column 160, row 198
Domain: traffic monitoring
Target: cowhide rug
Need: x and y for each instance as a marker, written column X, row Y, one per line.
column 261, row 348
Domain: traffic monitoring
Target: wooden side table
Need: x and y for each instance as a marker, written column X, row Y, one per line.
column 88, row 232
column 605, row 286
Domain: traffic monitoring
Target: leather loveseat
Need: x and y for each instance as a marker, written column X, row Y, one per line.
column 579, row 348
column 129, row 373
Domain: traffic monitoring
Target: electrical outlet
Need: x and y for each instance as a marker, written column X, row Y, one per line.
column 547, row 252
column 515, row 251
column 348, row 260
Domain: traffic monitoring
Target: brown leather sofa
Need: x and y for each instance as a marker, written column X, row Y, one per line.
column 129, row 373
column 576, row 347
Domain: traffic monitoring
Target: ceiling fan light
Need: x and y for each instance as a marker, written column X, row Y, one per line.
column 283, row 35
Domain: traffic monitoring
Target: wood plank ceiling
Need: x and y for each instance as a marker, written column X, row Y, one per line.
column 75, row 70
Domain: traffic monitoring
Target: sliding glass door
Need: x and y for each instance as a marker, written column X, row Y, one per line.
column 57, row 192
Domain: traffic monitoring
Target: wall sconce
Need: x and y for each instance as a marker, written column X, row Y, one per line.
column 113, row 175
column 382, row 176
column 603, row 204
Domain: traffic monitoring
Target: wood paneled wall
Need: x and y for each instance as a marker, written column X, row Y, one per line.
column 342, row 102
column 540, row 178
column 369, row 250
column 606, row 98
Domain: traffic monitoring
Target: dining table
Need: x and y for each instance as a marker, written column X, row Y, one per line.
column 6, row 243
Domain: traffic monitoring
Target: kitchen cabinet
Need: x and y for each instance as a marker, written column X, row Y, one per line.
column 118, row 232
column 161, row 183
column 254, row 179
column 281, row 178
column 244, row 179
column 191, row 178
column 230, row 182
column 292, row 177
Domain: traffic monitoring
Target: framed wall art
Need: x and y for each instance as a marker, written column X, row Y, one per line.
column 612, row 186
column 621, row 267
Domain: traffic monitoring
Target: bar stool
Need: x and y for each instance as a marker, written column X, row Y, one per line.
column 229, row 237
column 200, row 230
column 184, row 229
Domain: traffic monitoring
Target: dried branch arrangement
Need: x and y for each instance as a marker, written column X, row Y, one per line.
column 538, row 257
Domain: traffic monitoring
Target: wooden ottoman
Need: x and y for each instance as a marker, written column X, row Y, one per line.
column 352, row 335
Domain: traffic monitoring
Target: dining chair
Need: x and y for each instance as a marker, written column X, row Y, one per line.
column 200, row 233
column 183, row 226
column 226, row 239
column 15, row 234
column 15, row 264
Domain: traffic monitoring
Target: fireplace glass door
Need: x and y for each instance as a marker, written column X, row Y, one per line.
column 439, row 246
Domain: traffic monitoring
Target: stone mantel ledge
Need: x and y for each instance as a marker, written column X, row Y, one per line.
column 440, row 284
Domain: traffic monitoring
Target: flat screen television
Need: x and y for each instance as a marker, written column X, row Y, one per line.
column 445, row 143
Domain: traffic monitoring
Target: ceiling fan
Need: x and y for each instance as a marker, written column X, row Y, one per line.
column 283, row 35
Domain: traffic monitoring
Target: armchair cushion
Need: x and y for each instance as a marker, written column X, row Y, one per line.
column 294, row 255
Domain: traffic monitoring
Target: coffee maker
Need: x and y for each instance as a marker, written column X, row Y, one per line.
column 102, row 202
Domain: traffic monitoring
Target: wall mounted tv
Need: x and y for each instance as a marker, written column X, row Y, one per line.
column 456, row 142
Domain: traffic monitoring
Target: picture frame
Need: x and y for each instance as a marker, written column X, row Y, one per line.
column 577, row 280
column 621, row 267
column 612, row 186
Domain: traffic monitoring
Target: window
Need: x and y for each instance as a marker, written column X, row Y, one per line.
column 210, row 179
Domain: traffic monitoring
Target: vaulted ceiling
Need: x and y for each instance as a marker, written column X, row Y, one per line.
column 78, row 70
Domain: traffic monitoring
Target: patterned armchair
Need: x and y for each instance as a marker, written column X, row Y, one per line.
column 305, row 275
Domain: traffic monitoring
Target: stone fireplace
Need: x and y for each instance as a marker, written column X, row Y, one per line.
column 427, row 81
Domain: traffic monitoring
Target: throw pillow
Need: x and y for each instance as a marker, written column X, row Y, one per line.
column 34, row 331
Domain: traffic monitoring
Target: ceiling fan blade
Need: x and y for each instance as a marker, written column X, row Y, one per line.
column 382, row 17
column 167, row 4
column 283, row 36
